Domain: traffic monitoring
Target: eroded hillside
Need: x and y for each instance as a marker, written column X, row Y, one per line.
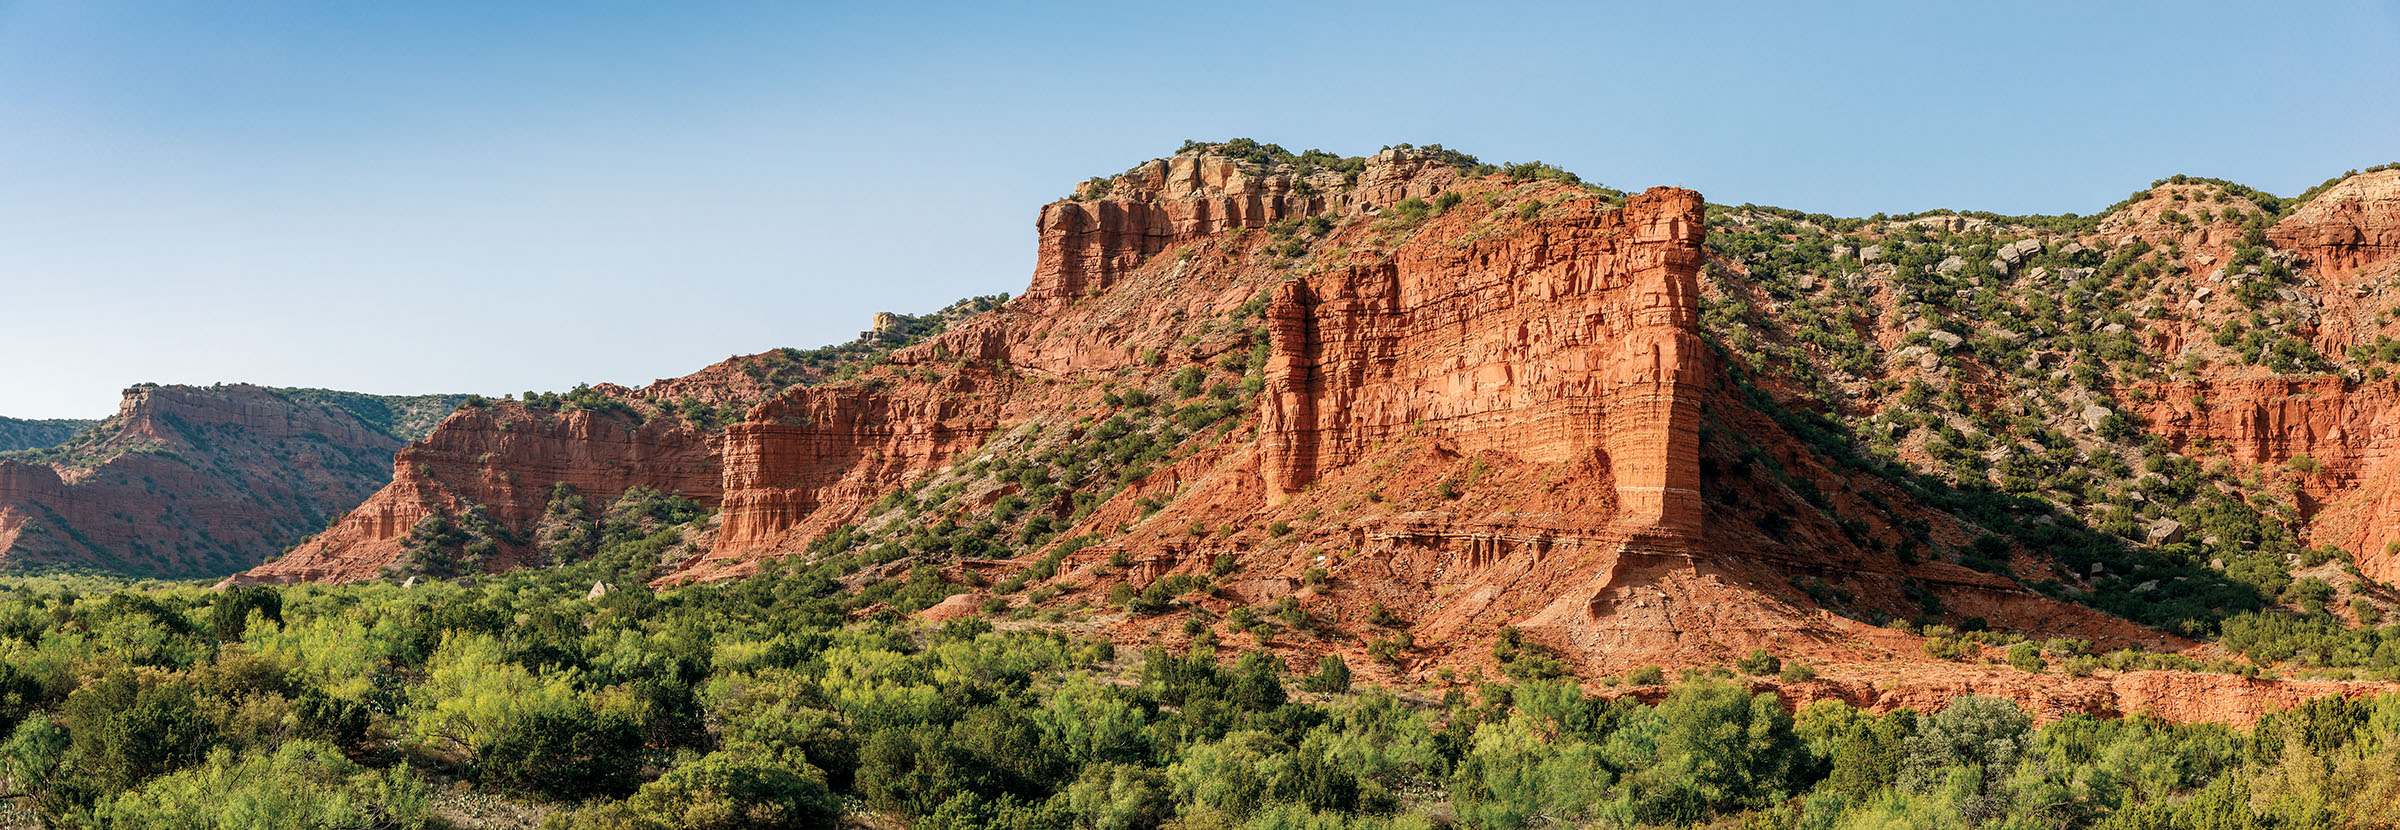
column 1444, row 418
column 201, row 481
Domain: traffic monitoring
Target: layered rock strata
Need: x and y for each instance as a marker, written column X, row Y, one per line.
column 2353, row 225
column 507, row 461
column 1493, row 410
column 192, row 481
column 1579, row 340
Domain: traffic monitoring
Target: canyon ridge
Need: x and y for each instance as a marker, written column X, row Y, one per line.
column 1438, row 416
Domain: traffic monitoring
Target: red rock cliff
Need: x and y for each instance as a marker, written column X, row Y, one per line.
column 2352, row 225
column 814, row 458
column 190, row 481
column 1579, row 339
column 505, row 459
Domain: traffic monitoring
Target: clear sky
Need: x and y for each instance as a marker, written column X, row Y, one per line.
column 413, row 197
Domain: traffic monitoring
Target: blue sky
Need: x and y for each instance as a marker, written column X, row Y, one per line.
column 494, row 197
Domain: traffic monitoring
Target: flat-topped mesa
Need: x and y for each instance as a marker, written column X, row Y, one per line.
column 1575, row 339
column 2354, row 224
column 1087, row 243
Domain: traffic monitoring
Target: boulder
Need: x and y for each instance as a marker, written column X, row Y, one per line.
column 2015, row 253
column 2164, row 531
column 2094, row 415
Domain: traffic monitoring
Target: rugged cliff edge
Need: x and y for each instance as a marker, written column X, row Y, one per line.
column 192, row 481
column 1411, row 407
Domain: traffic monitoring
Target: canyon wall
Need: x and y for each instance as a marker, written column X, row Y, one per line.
column 1581, row 338
column 2353, row 225
column 506, row 460
column 814, row 458
column 194, row 480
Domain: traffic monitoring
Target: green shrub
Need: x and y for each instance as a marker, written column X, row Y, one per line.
column 564, row 752
column 1188, row 380
column 1954, row 649
column 1759, row 662
column 300, row 785
column 2027, row 657
column 721, row 791
column 1333, row 676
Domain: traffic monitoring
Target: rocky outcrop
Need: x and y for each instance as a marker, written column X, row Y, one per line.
column 2340, row 439
column 1580, row 337
column 2177, row 697
column 196, row 481
column 1494, row 411
column 801, row 464
column 1087, row 245
column 2352, row 225
column 505, row 460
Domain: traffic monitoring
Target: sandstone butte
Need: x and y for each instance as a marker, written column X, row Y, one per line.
column 193, row 480
column 1496, row 409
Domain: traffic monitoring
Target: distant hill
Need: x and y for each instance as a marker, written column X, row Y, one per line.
column 20, row 434
column 200, row 481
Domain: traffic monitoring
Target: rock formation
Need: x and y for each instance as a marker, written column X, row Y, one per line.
column 1414, row 393
column 507, row 461
column 199, row 481
column 2353, row 225
column 1576, row 341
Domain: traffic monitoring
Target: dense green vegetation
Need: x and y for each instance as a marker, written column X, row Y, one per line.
column 1260, row 155
column 762, row 703
column 2010, row 407
column 401, row 417
column 21, row 434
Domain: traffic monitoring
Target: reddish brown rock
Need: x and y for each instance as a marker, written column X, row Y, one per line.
column 2348, row 432
column 193, row 481
column 1498, row 413
column 2351, row 225
column 1573, row 338
column 2177, row 697
column 813, row 459
column 506, row 459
